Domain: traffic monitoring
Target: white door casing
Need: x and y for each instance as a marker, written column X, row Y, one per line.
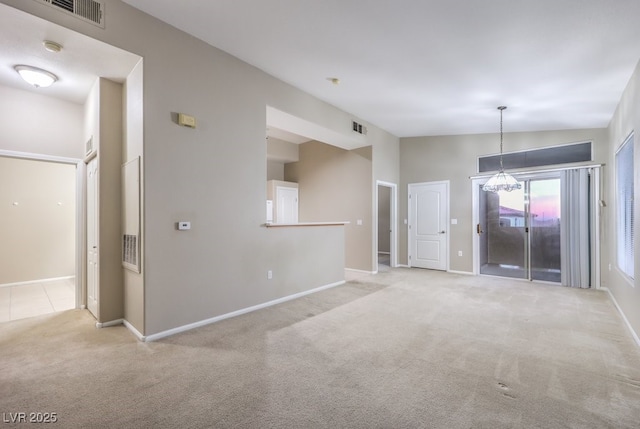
column 92, row 237
column 428, row 229
column 393, row 222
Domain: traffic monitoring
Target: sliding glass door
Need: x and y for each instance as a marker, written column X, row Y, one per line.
column 519, row 231
column 544, row 230
column 503, row 246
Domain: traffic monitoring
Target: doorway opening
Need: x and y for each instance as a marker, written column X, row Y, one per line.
column 40, row 250
column 386, row 221
column 546, row 231
column 520, row 231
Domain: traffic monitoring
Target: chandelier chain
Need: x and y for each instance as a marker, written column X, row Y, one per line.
column 501, row 108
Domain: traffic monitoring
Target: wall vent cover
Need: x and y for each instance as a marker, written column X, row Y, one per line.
column 130, row 250
column 359, row 128
column 87, row 10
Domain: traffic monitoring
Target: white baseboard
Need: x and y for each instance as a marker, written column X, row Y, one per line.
column 353, row 270
column 402, row 266
column 124, row 322
column 30, row 282
column 190, row 326
column 134, row 331
column 384, row 253
column 109, row 323
column 626, row 321
column 464, row 273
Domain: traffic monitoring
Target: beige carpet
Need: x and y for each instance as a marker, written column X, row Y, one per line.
column 403, row 349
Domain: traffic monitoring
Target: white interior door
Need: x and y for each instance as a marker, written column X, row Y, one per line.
column 92, row 237
column 287, row 211
column 428, row 213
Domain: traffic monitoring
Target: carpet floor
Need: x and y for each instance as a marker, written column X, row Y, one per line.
column 407, row 348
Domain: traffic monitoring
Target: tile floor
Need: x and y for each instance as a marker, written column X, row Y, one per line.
column 35, row 299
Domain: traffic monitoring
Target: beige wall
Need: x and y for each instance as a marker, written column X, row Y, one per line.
column 454, row 158
column 282, row 151
column 38, row 124
column 214, row 175
column 335, row 185
column 279, row 153
column 38, row 211
column 386, row 168
column 625, row 120
column 104, row 123
column 275, row 170
column 133, row 148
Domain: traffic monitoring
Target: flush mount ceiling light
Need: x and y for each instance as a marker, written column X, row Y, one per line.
column 501, row 181
column 35, row 76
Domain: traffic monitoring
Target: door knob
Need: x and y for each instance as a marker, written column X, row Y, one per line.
column 442, row 232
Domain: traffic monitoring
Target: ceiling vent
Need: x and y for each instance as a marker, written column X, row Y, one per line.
column 87, row 10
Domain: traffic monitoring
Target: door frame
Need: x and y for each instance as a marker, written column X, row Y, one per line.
column 80, row 213
column 475, row 195
column 596, row 206
column 447, row 210
column 393, row 257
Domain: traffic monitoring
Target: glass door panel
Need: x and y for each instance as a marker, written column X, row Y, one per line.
column 503, row 246
column 544, row 215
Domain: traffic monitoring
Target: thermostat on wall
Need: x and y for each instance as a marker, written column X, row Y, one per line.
column 184, row 225
column 186, row 120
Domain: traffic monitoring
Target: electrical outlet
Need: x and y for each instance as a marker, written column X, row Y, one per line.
column 269, row 275
column 459, row 252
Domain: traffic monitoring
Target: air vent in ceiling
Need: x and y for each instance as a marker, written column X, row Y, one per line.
column 87, row 10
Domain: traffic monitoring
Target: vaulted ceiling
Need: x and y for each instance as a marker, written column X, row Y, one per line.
column 433, row 67
column 411, row 67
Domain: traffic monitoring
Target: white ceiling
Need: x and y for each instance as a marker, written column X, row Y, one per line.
column 77, row 66
column 433, row 67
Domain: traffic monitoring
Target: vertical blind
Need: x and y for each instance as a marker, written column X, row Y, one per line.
column 624, row 205
column 575, row 244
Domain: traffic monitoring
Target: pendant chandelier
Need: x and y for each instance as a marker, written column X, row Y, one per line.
column 501, row 181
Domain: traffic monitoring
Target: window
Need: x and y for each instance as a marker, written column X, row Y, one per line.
column 624, row 206
column 565, row 154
